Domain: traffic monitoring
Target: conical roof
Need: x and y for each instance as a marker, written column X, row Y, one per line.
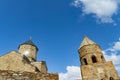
column 86, row 41
column 29, row 42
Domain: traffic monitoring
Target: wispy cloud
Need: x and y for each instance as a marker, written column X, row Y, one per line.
column 103, row 10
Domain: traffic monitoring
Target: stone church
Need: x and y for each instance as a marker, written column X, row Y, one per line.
column 93, row 63
column 22, row 64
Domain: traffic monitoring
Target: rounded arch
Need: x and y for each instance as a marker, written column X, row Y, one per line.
column 85, row 61
column 94, row 59
column 102, row 58
column 111, row 78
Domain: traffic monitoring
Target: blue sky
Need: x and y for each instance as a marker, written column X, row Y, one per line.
column 57, row 27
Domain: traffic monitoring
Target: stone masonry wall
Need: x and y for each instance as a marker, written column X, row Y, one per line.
column 99, row 71
column 41, row 66
column 93, row 48
column 13, row 61
column 12, row 75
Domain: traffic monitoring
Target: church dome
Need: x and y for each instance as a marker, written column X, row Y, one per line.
column 29, row 42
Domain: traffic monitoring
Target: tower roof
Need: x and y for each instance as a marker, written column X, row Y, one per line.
column 29, row 42
column 86, row 41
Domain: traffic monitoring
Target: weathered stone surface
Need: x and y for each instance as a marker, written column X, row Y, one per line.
column 99, row 71
column 14, row 61
column 29, row 51
column 12, row 75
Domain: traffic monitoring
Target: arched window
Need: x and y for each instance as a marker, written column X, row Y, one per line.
column 102, row 58
column 94, row 59
column 111, row 78
column 85, row 61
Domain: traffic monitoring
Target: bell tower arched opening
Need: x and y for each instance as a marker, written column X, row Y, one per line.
column 111, row 78
column 85, row 61
column 94, row 60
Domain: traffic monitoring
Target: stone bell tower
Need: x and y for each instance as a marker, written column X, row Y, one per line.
column 93, row 63
column 29, row 50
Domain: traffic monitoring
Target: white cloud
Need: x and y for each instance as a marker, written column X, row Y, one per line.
column 113, row 57
column 117, row 46
column 112, row 54
column 103, row 10
column 73, row 73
